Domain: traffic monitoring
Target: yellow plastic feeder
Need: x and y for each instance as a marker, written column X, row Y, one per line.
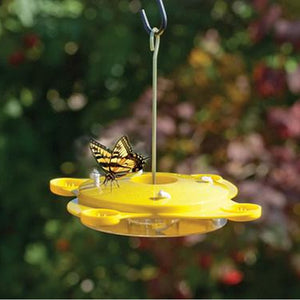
column 155, row 204
column 176, row 205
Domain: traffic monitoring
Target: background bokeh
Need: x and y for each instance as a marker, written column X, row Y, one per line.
column 228, row 104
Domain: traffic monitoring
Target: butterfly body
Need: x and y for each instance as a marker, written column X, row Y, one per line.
column 118, row 162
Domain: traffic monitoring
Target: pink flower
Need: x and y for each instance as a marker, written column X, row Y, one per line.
column 286, row 121
column 250, row 148
column 262, row 194
column 185, row 110
column 166, row 125
column 288, row 31
column 182, row 291
column 282, row 154
column 293, row 80
column 261, row 27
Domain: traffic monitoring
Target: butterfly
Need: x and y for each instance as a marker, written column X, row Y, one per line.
column 117, row 162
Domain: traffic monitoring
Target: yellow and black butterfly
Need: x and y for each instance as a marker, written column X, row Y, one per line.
column 119, row 161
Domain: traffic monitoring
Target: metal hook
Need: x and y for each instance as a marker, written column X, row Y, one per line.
column 163, row 15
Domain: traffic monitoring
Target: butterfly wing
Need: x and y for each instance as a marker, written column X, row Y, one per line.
column 101, row 154
column 122, row 147
column 121, row 162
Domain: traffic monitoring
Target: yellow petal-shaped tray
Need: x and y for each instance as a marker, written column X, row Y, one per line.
column 176, row 205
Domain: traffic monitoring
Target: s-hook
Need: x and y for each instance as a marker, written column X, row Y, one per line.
column 163, row 16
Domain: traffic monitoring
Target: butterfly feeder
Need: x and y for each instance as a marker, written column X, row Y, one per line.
column 126, row 201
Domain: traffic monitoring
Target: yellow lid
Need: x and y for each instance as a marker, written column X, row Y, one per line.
column 176, row 205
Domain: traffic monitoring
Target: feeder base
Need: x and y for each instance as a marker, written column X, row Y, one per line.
column 177, row 205
column 145, row 227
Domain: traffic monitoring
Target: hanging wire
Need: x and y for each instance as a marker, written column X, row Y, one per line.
column 155, row 34
column 154, row 47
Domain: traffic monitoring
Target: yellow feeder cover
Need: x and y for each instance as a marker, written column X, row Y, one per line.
column 176, row 205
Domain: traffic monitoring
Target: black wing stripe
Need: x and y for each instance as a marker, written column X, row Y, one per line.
column 98, row 156
column 94, row 143
column 121, row 174
column 114, row 165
